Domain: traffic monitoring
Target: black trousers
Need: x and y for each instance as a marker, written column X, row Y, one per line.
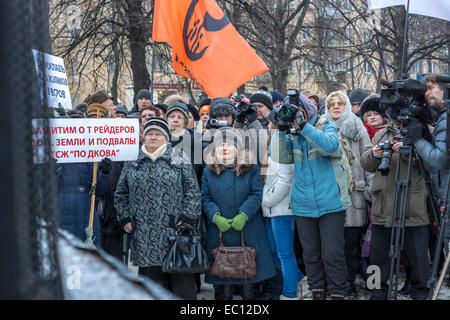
column 181, row 284
column 111, row 243
column 353, row 237
column 416, row 247
column 322, row 240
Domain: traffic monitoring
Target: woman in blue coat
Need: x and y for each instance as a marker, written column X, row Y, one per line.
column 231, row 198
column 74, row 186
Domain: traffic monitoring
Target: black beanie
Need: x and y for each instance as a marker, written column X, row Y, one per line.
column 193, row 109
column 144, row 93
column 264, row 97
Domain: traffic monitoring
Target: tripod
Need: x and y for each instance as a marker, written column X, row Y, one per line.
column 400, row 212
column 444, row 217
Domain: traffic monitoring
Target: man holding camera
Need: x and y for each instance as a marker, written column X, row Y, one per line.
column 382, row 159
column 435, row 152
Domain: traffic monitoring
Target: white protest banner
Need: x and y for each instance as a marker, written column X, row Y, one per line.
column 51, row 69
column 87, row 140
column 433, row 8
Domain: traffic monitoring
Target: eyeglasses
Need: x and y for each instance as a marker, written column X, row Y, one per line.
column 148, row 115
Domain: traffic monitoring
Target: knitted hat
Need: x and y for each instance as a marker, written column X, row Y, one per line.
column 122, row 109
column 357, row 96
column 144, row 93
column 180, row 107
column 264, row 97
column 222, row 107
column 276, row 96
column 204, row 108
column 96, row 110
column 371, row 103
column 158, row 124
column 227, row 134
column 97, row 97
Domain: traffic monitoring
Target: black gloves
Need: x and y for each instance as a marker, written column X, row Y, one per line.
column 105, row 166
column 300, row 120
column 251, row 116
column 415, row 131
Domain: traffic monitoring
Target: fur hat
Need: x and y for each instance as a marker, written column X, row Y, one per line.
column 158, row 124
column 97, row 97
column 222, row 106
column 264, row 97
column 371, row 103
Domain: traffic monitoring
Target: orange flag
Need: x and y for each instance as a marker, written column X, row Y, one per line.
column 205, row 46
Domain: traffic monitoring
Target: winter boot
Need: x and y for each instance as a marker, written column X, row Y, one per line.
column 407, row 286
column 318, row 295
column 282, row 297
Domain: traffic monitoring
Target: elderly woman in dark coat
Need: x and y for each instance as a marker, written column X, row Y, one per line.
column 156, row 190
column 231, row 198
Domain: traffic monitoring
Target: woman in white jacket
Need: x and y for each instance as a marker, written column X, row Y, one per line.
column 280, row 223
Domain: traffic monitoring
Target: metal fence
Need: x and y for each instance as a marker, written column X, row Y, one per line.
column 28, row 248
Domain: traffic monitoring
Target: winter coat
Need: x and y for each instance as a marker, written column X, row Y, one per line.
column 320, row 184
column 74, row 186
column 276, row 192
column 352, row 131
column 435, row 154
column 228, row 191
column 152, row 195
column 108, row 214
column 383, row 186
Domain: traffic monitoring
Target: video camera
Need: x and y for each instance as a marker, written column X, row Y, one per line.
column 404, row 100
column 245, row 110
column 216, row 124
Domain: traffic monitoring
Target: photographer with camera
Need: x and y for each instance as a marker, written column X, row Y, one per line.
column 434, row 151
column 382, row 159
column 319, row 195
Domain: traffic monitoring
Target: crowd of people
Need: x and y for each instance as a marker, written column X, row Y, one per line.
column 310, row 200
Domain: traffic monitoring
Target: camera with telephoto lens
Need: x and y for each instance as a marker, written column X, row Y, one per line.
column 285, row 116
column 216, row 124
column 404, row 100
column 386, row 157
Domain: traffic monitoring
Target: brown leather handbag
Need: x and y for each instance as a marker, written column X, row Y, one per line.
column 234, row 262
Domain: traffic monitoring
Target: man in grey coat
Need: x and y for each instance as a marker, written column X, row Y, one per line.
column 435, row 152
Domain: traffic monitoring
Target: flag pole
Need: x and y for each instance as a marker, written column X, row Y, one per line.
column 153, row 68
column 405, row 37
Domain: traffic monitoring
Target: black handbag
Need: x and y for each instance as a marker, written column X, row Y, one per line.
column 187, row 254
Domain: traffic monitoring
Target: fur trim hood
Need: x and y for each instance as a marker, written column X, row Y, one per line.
column 242, row 164
column 173, row 98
